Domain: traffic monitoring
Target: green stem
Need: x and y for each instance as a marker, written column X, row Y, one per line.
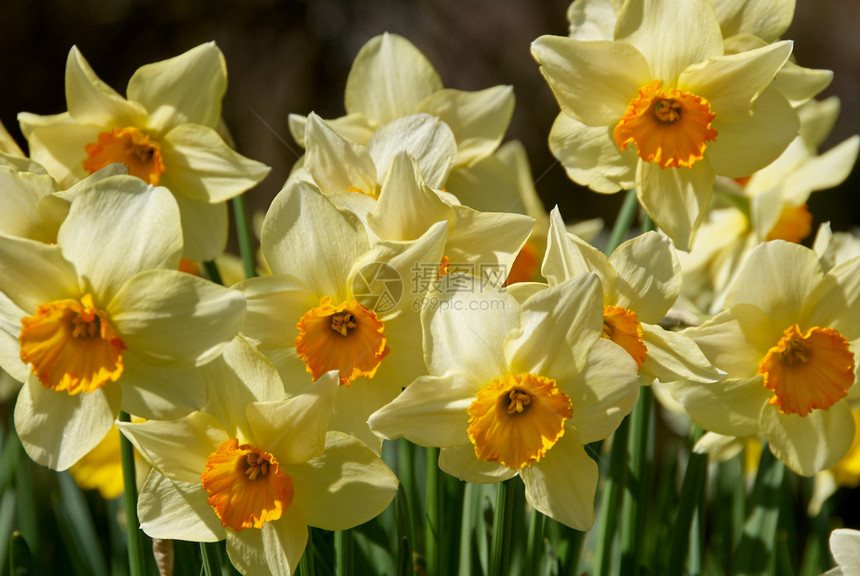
column 575, row 539
column 691, row 492
column 434, row 512
column 634, row 507
column 343, row 552
column 502, row 518
column 759, row 536
column 243, row 233
column 535, row 551
column 209, row 554
column 136, row 560
column 613, row 489
column 623, row 221
column 211, row 271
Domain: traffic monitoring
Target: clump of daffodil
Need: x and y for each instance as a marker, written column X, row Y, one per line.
column 102, row 321
column 338, row 299
column 518, row 386
column 665, row 109
column 255, row 468
column 641, row 281
column 786, row 340
column 165, row 133
column 770, row 204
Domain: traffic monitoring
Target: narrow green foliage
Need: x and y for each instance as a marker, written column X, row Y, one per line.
column 500, row 549
column 691, row 493
column 243, row 233
column 136, row 560
column 759, row 535
column 20, row 558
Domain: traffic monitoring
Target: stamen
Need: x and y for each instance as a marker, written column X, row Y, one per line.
column 128, row 146
column 342, row 322
column 519, row 400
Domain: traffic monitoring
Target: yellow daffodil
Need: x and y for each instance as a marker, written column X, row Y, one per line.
column 337, row 301
column 256, row 469
column 768, row 205
column 641, row 280
column 164, row 133
column 102, row 320
column 665, row 109
column 787, row 340
column 519, row 388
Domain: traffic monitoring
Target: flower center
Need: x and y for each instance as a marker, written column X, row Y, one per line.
column 347, row 337
column 517, row 418
column 669, row 127
column 71, row 346
column 808, row 371
column 246, row 486
column 128, row 146
column 794, row 224
column 621, row 326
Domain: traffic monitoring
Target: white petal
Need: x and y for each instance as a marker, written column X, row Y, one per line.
column 604, row 394
column 57, row 429
column 568, row 255
column 200, row 165
column 91, row 101
column 177, row 510
column 293, row 244
column 275, row 305
column 274, row 550
column 675, row 356
column 163, row 392
column 337, row 164
column 563, row 484
column 676, row 198
column 134, row 227
column 612, row 71
column 467, row 331
column 809, row 444
column 346, row 486
column 653, row 28
column 32, row 273
column 743, row 147
column 170, row 316
column 460, row 461
column 185, row 89
column 477, row 119
column 179, row 449
column 777, row 277
column 388, row 79
column 294, row 429
column 426, row 138
column 590, row 156
column 845, row 547
column 732, row 83
column 431, row 411
column 204, row 228
column 731, row 407
column 559, row 326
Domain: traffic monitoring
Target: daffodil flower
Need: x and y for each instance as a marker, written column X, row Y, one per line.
column 390, row 78
column 787, row 340
column 164, row 133
column 641, row 280
column 519, row 389
column 336, row 301
column 256, row 469
column 664, row 109
column 102, row 321
column 352, row 174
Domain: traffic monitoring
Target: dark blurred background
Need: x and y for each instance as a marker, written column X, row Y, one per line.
column 286, row 56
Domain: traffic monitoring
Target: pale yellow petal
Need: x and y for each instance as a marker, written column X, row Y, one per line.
column 649, row 276
column 731, row 407
column 177, row 510
column 93, row 102
column 568, row 255
column 461, row 462
column 388, row 79
column 612, row 71
column 275, row 549
column 675, row 356
column 767, row 20
column 163, row 392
